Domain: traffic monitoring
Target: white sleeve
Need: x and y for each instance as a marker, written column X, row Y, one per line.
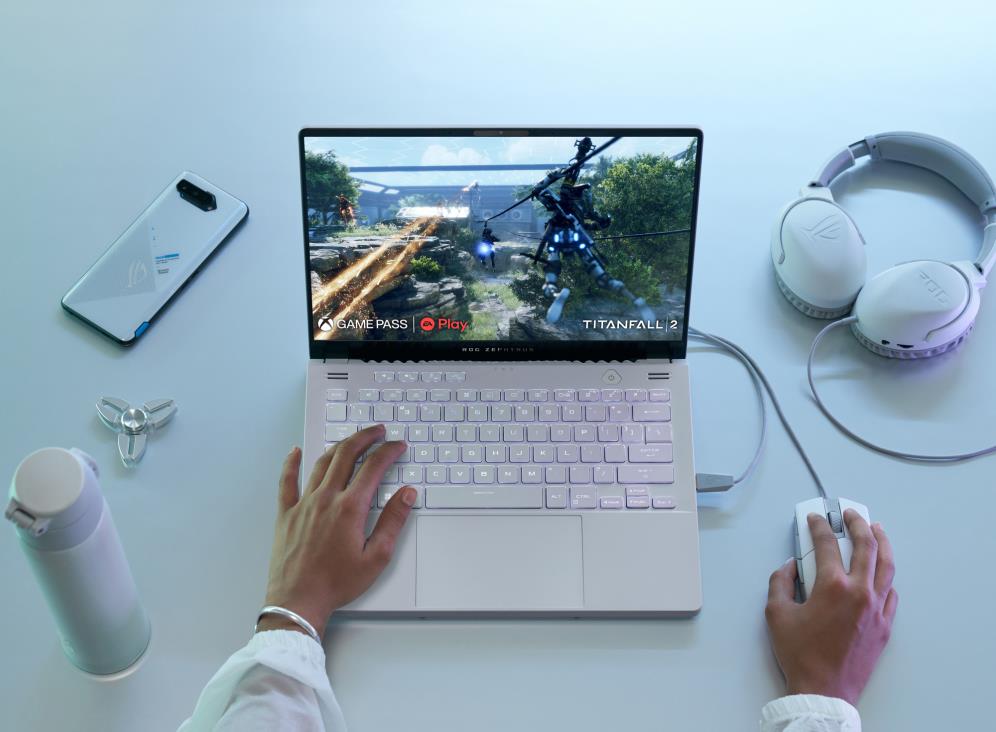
column 809, row 713
column 278, row 681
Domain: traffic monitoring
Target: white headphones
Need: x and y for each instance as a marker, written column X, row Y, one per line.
column 913, row 310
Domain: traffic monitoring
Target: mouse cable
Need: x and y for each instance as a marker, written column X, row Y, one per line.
column 709, row 483
column 916, row 457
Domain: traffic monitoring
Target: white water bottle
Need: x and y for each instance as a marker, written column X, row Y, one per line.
column 67, row 533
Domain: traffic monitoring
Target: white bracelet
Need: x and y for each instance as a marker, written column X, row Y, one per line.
column 290, row 615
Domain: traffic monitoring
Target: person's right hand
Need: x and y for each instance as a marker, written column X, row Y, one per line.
column 322, row 558
column 830, row 644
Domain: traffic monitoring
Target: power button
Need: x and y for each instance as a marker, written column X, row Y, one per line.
column 611, row 377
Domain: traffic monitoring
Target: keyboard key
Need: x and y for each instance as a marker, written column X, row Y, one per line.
column 532, row 474
column 567, row 453
column 412, row 474
column 549, row 413
column 456, row 377
column 512, row 433
column 636, row 490
column 665, row 502
column 407, row 412
column 477, row 413
column 338, row 432
column 591, row 453
column 610, row 502
column 595, row 412
column 650, row 453
column 604, row 474
column 335, row 412
column 556, row 474
column 632, row 433
column 432, row 377
column 394, row 432
column 646, row 474
column 449, row 454
column 472, row 453
column 392, row 395
column 537, row 433
column 572, row 412
column 611, row 395
column 637, row 501
column 582, row 496
column 556, row 497
column 659, row 433
column 588, row 395
column 543, row 454
column 335, row 395
column 490, row 395
column 430, row 412
column 584, row 433
column 525, row 413
column 466, row 395
column 620, row 412
column 651, row 413
column 416, row 395
column 490, row 433
column 508, row 474
column 580, row 474
column 424, row 453
column 501, row 412
column 518, row 454
column 418, row 433
column 660, row 395
column 359, row 412
column 538, row 395
column 466, row 433
column 442, row 433
column 453, row 412
column 636, row 395
column 484, row 474
column 408, row 377
column 435, row 474
column 563, row 395
column 608, row 433
column 383, row 377
column 515, row 395
column 384, row 495
column 495, row 454
column 513, row 496
column 368, row 395
column 460, row 474
column 560, row 433
column 383, row 413
column 439, row 395
column 615, row 453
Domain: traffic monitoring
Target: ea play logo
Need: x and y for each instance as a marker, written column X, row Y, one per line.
column 428, row 324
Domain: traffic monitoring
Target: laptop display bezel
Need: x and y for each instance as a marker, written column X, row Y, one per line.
column 439, row 350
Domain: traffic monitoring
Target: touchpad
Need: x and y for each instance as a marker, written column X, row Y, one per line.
column 499, row 563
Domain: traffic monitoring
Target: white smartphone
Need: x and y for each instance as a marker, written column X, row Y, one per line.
column 125, row 290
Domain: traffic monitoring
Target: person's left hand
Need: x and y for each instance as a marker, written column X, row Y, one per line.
column 322, row 558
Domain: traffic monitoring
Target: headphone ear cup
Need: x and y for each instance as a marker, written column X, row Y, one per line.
column 818, row 256
column 916, row 310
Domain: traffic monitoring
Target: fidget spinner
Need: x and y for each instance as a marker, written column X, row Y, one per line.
column 134, row 424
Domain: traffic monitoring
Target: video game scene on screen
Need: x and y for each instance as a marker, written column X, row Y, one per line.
column 499, row 239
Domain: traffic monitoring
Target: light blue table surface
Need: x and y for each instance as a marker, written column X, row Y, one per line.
column 101, row 104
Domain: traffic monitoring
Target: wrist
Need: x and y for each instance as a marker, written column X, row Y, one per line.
column 804, row 686
column 277, row 621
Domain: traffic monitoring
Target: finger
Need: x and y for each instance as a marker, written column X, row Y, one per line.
column 781, row 584
column 347, row 453
column 865, row 547
column 287, row 493
column 380, row 545
column 885, row 567
column 828, row 561
column 891, row 603
column 320, row 468
column 371, row 475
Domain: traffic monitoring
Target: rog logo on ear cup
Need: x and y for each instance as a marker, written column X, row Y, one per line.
column 827, row 229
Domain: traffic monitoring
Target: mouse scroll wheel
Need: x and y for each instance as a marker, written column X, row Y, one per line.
column 836, row 522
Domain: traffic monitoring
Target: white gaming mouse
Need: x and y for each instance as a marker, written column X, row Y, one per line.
column 805, row 556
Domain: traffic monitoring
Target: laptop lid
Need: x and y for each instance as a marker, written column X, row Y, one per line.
column 499, row 244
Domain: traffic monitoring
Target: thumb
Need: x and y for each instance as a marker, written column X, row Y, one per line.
column 781, row 585
column 380, row 544
column 289, row 474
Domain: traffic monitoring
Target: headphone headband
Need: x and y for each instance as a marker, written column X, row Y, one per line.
column 925, row 151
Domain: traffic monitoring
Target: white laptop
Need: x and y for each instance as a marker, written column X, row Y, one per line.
column 513, row 304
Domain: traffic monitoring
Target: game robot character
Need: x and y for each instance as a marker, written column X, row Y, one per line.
column 572, row 215
column 345, row 210
column 486, row 246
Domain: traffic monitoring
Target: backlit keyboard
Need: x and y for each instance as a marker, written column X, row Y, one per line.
column 549, row 449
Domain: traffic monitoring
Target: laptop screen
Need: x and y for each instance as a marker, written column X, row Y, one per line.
column 456, row 242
